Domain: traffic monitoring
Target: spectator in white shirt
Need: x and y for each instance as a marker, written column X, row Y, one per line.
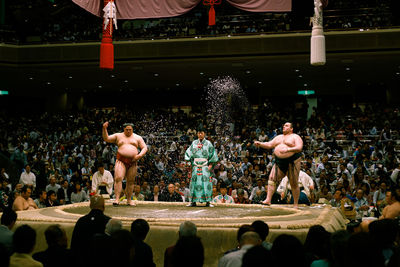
column 52, row 186
column 185, row 190
column 259, row 187
column 28, row 178
column 395, row 175
column 102, row 181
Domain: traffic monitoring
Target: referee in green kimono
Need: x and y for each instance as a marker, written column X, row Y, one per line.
column 202, row 156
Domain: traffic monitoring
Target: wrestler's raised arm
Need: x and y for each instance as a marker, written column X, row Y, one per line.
column 266, row 145
column 298, row 145
column 108, row 138
column 143, row 148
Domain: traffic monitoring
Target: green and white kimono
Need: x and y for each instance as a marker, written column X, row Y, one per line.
column 200, row 155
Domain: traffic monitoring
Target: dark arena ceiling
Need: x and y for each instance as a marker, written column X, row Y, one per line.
column 353, row 68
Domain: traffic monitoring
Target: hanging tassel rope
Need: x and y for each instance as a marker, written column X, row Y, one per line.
column 318, row 53
column 211, row 12
column 107, row 47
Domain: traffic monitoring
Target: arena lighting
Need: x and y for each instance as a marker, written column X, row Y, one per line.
column 306, row 92
column 3, row 92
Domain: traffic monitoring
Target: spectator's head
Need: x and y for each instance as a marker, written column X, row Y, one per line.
column 177, row 186
column 26, row 192
column 97, row 203
column 382, row 186
column 52, row 180
column 243, row 229
column 188, row 249
column 78, row 187
column 338, row 194
column 284, row 243
column 137, row 189
column 318, row 242
column 362, row 251
column 187, row 228
column 8, row 218
column 214, row 191
column 140, row 229
column 250, row 238
column 171, row 189
column 65, row 184
column 223, row 189
column 100, row 167
column 156, row 189
column 240, row 193
column 256, row 255
column 384, row 232
column 56, row 236
column 259, row 182
column 51, row 196
column 145, row 185
column 183, row 184
column 24, row 239
column 123, row 250
column 162, row 183
column 261, row 228
column 42, row 194
column 27, row 168
column 359, row 194
column 112, row 226
column 338, row 243
column 388, row 198
column 395, row 195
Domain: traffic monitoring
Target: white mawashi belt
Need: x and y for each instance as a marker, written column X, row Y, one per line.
column 200, row 162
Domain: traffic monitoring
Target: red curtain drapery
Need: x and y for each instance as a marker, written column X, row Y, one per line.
column 144, row 9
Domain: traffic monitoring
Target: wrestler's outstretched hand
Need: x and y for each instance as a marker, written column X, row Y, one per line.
column 105, row 125
column 257, row 143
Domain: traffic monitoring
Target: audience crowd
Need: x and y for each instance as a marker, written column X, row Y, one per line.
column 44, row 21
column 350, row 156
column 350, row 161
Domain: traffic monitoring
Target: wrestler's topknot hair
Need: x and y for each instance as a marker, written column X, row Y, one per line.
column 128, row 124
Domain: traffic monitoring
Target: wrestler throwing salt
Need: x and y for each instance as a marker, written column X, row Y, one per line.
column 287, row 150
column 127, row 157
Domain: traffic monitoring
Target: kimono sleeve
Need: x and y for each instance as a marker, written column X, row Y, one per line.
column 189, row 153
column 212, row 154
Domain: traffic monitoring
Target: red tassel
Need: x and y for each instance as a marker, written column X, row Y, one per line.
column 107, row 56
column 211, row 16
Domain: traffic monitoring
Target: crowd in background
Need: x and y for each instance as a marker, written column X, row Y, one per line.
column 46, row 21
column 54, row 158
